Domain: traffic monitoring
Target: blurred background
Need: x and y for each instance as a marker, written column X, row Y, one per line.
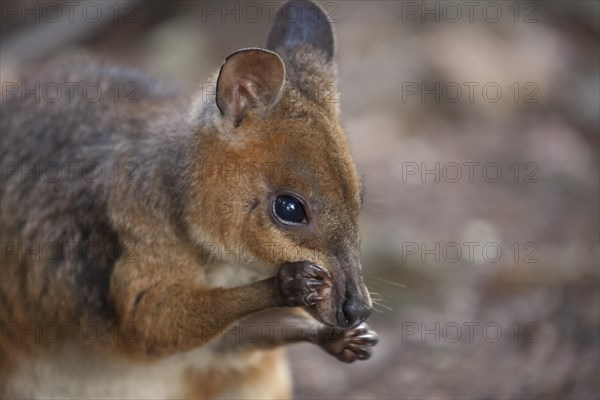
column 476, row 127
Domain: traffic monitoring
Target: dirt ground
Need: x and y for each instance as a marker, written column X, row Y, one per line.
column 477, row 132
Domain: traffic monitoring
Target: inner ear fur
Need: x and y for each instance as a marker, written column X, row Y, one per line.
column 249, row 79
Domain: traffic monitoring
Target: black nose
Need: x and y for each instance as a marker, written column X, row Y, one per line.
column 353, row 312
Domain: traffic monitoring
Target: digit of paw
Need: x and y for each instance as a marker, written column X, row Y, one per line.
column 354, row 344
column 302, row 284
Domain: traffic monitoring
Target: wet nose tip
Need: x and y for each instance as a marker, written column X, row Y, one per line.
column 353, row 312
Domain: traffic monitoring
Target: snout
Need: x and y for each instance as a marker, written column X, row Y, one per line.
column 348, row 302
column 353, row 311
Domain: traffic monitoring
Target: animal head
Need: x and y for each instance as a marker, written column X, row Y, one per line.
column 279, row 179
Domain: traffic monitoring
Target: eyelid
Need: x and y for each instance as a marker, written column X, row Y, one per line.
column 299, row 198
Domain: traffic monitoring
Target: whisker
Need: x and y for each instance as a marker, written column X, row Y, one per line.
column 384, row 306
column 377, row 310
column 380, row 301
column 384, row 280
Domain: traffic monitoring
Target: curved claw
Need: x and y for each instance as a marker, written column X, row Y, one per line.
column 317, row 284
column 313, row 298
column 359, row 330
column 370, row 339
column 315, row 271
column 362, row 353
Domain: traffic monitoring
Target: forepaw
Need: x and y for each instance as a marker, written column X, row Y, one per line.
column 354, row 344
column 302, row 284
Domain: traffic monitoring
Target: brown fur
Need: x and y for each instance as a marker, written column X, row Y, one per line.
column 265, row 371
column 155, row 287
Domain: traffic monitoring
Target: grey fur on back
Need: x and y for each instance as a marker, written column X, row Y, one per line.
column 55, row 205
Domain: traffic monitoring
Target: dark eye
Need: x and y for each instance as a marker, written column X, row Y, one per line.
column 289, row 210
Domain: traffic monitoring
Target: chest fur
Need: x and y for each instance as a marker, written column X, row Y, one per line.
column 77, row 373
column 234, row 275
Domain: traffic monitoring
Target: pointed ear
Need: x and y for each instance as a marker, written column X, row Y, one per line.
column 249, row 79
column 302, row 22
